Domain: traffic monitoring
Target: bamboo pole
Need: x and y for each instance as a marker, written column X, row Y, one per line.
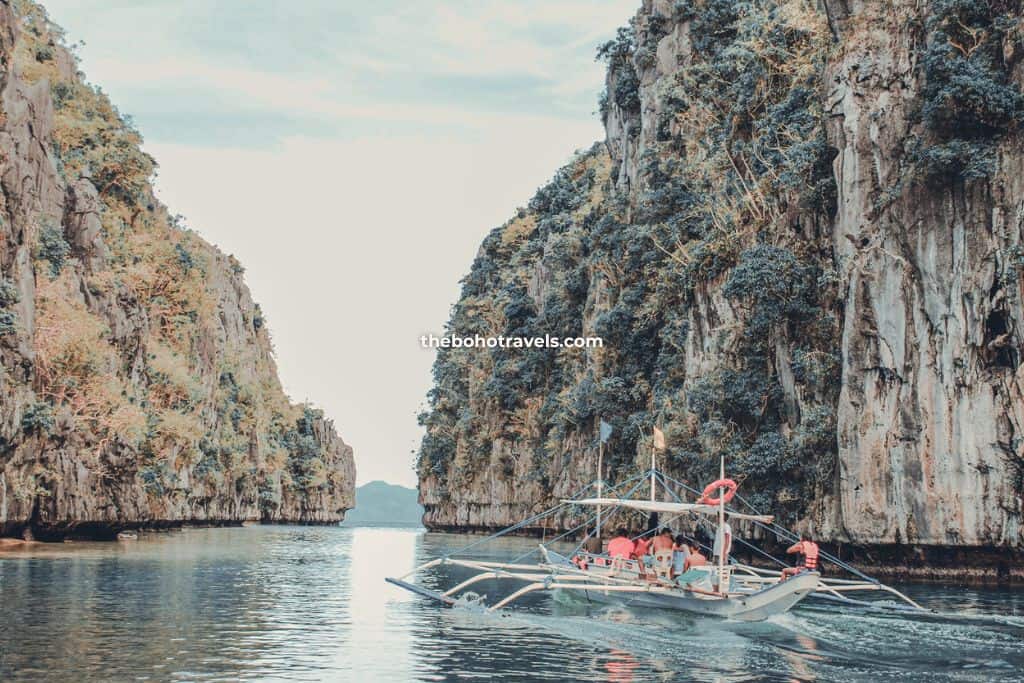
column 721, row 519
column 654, row 451
column 600, row 481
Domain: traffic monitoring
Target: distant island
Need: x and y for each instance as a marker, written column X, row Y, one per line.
column 379, row 502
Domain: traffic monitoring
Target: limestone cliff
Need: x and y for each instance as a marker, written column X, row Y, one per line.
column 801, row 243
column 137, row 383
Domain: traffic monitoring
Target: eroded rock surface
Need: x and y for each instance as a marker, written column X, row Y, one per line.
column 137, row 383
column 801, row 254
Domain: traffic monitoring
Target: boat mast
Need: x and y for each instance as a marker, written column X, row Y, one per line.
column 721, row 515
column 654, row 450
column 600, row 482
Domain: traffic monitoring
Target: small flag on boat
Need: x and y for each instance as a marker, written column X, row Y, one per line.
column 659, row 439
column 606, row 431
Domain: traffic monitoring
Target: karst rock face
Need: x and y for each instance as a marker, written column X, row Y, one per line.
column 931, row 407
column 137, row 383
column 801, row 244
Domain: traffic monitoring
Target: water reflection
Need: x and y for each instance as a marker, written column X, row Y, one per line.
column 621, row 667
column 375, row 635
column 303, row 603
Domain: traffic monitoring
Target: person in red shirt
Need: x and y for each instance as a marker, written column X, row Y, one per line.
column 641, row 547
column 809, row 549
column 641, row 551
column 620, row 546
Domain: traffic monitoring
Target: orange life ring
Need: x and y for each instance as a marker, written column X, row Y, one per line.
column 730, row 490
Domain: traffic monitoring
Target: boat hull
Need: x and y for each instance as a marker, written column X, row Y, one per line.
column 756, row 606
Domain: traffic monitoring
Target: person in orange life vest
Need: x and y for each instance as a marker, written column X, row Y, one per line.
column 809, row 550
column 620, row 545
column 695, row 558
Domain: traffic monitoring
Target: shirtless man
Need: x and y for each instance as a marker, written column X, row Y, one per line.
column 695, row 558
column 663, row 541
column 661, row 548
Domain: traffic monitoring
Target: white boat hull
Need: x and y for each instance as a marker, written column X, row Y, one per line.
column 755, row 606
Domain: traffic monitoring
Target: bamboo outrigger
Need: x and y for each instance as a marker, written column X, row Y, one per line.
column 727, row 589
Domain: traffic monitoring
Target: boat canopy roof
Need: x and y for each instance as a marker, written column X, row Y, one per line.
column 662, row 506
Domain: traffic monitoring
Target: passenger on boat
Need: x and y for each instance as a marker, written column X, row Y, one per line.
column 662, row 548
column 593, row 544
column 620, row 546
column 680, row 551
column 809, row 550
column 695, row 558
column 641, row 548
column 723, row 543
column 663, row 541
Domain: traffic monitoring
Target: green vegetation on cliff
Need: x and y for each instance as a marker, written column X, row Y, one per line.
column 740, row 146
column 968, row 101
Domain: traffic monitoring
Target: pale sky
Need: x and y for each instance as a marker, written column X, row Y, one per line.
column 352, row 155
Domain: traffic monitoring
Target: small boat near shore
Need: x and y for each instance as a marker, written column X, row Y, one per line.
column 727, row 588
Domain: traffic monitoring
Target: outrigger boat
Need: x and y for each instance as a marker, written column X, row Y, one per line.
column 728, row 589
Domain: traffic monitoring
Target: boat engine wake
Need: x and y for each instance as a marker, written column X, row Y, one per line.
column 471, row 602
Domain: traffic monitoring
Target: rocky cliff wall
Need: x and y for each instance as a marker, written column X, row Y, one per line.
column 931, row 404
column 137, row 383
column 800, row 242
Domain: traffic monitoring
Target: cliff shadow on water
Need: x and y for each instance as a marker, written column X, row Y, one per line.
column 801, row 244
column 137, row 382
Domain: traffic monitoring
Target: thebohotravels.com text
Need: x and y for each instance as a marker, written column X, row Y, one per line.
column 430, row 341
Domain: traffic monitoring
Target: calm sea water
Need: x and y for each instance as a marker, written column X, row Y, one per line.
column 310, row 603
